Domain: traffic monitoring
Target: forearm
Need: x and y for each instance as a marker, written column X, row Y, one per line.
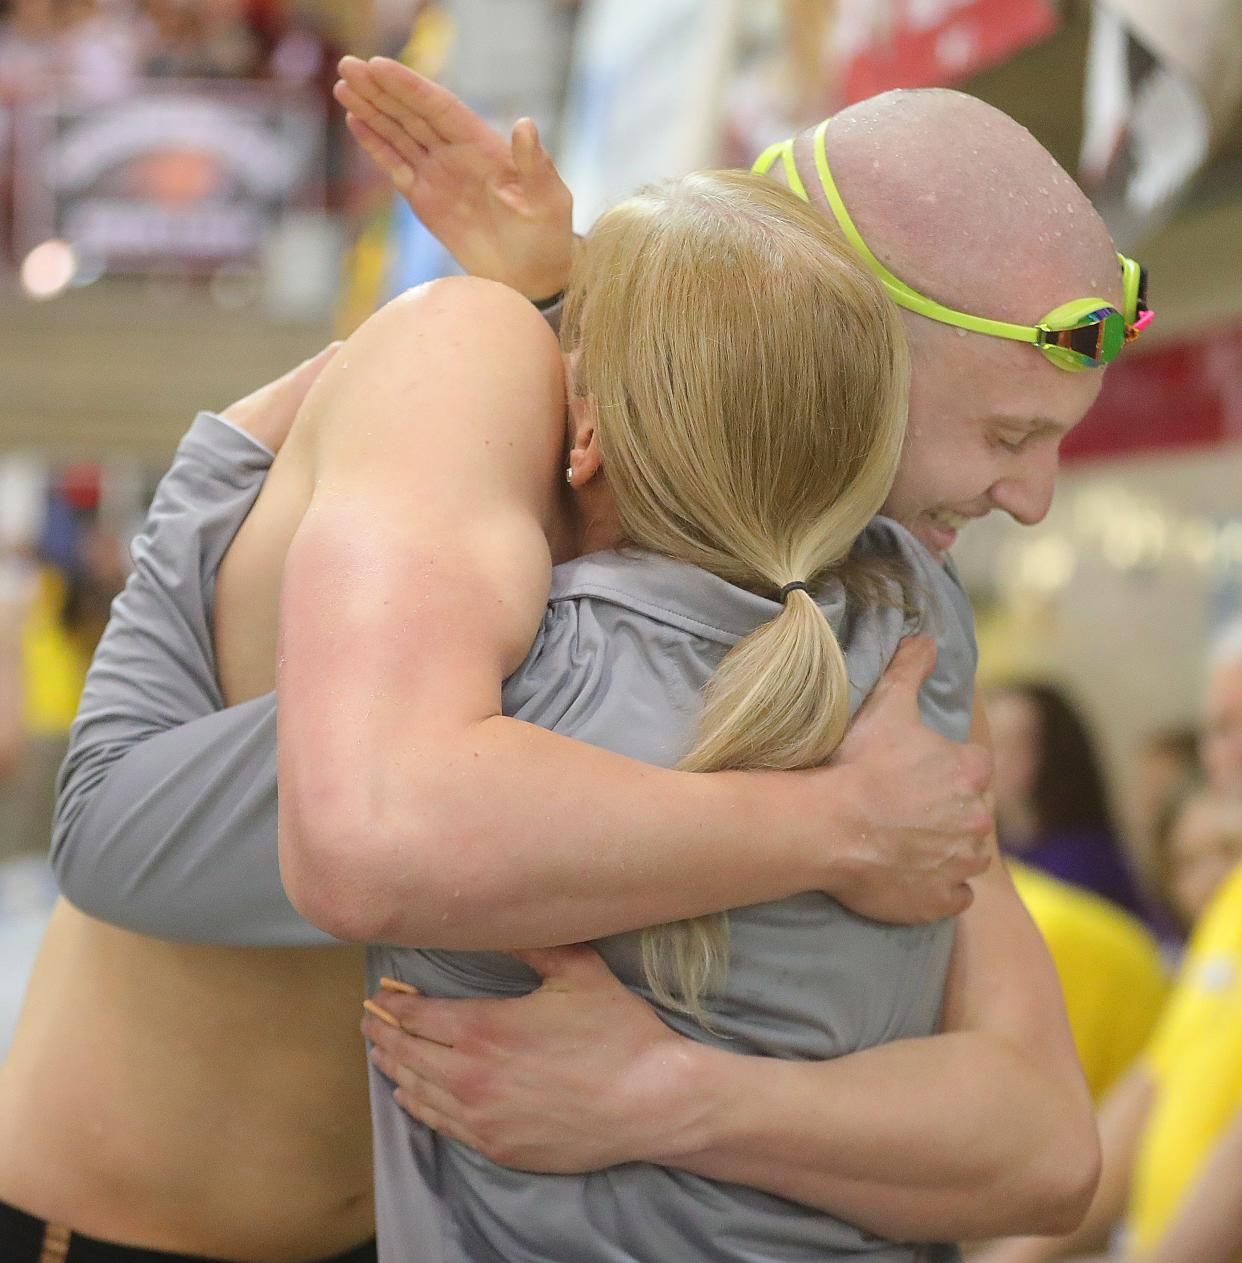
column 928, row 1139
column 178, row 839
column 533, row 839
column 984, row 1130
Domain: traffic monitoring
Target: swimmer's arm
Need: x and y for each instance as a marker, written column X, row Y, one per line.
column 166, row 815
column 412, row 811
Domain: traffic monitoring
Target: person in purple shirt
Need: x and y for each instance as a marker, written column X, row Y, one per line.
column 1052, row 809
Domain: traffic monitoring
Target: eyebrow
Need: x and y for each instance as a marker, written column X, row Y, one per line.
column 1029, row 425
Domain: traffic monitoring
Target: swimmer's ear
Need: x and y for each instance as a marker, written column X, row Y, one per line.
column 585, row 460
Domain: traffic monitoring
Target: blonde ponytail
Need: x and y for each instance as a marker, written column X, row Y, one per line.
column 750, row 379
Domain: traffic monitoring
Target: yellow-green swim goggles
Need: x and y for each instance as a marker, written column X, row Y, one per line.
column 1083, row 333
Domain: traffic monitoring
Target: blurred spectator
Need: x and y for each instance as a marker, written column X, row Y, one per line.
column 28, row 50
column 1170, row 1128
column 1222, row 717
column 1051, row 806
column 1167, row 764
column 1198, row 842
column 787, row 78
column 202, row 39
column 100, row 47
column 12, row 730
column 65, row 597
column 1110, row 970
column 300, row 47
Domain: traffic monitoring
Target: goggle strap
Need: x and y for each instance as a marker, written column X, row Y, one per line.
column 763, row 164
column 792, row 174
column 1052, row 341
column 784, row 149
column 901, row 293
column 1134, row 295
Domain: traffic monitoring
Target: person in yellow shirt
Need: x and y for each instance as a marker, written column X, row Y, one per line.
column 44, row 669
column 1172, row 1126
column 1110, row 971
column 1195, row 1062
column 54, row 620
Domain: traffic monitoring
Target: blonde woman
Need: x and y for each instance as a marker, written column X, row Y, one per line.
column 736, row 413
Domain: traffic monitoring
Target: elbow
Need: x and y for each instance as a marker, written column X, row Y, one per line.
column 326, row 841
column 1076, row 1186
column 421, row 871
column 323, row 870
column 364, row 882
column 1064, row 1176
column 325, row 905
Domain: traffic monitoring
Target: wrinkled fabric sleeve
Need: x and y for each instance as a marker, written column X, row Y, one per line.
column 166, row 802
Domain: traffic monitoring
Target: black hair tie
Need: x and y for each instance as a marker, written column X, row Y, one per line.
column 796, row 586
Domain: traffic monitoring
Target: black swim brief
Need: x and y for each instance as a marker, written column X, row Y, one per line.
column 26, row 1239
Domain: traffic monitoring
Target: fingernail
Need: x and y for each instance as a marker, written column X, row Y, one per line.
column 391, row 984
column 384, row 1016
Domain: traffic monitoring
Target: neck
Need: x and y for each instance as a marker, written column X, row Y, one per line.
column 594, row 521
column 563, row 542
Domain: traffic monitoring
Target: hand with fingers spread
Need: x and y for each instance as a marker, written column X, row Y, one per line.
column 498, row 206
column 925, row 801
column 562, row 1080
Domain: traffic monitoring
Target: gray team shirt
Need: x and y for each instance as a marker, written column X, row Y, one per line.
column 625, row 647
column 167, row 825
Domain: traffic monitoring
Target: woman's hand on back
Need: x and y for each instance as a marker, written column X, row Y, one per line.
column 563, row 1080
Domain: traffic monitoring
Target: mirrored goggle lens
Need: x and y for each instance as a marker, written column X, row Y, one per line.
column 1097, row 340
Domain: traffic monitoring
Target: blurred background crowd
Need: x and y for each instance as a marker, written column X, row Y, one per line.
column 182, row 217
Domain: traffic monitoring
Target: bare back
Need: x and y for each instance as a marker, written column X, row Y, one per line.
column 198, row 1099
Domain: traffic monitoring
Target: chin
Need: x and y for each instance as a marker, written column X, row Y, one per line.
column 936, row 539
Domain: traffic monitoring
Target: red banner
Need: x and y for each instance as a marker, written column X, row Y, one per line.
column 1188, row 394
column 930, row 43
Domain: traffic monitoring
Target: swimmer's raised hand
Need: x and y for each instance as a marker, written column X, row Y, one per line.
column 498, row 206
column 268, row 413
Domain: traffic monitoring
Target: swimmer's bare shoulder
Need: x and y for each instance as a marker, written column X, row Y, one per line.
column 464, row 349
column 455, row 387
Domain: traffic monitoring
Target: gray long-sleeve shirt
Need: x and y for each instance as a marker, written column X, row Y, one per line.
column 167, row 825
column 166, row 811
